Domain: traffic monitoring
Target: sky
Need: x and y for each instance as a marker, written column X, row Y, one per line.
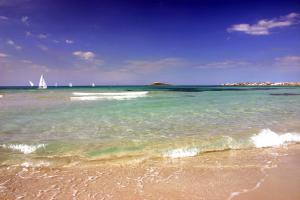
column 136, row 42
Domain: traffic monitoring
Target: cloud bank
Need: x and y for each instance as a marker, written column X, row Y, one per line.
column 288, row 62
column 264, row 26
column 3, row 55
column 3, row 17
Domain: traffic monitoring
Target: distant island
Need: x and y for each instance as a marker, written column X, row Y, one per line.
column 263, row 84
column 159, row 84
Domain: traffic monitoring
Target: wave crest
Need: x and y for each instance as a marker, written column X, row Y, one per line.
column 110, row 93
column 83, row 96
column 268, row 138
column 182, row 152
column 24, row 148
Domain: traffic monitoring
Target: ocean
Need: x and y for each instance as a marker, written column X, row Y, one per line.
column 63, row 126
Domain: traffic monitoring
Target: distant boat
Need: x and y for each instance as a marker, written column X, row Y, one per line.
column 42, row 83
column 31, row 84
column 70, row 85
column 56, row 85
column 93, row 84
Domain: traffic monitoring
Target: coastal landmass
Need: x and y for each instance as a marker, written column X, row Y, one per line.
column 159, row 84
column 263, row 84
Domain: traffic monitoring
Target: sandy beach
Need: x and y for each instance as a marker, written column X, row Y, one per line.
column 149, row 100
column 282, row 181
column 271, row 173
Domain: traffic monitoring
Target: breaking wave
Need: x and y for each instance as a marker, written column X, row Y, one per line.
column 138, row 93
column 83, row 96
column 182, row 152
column 93, row 98
column 265, row 138
column 23, row 148
column 268, row 138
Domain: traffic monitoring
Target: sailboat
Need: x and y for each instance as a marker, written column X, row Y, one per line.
column 42, row 83
column 31, row 84
column 93, row 84
column 56, row 84
column 70, row 85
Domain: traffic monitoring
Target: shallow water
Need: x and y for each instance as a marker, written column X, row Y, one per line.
column 219, row 175
column 110, row 122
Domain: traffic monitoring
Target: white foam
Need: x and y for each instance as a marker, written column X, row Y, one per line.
column 24, row 148
column 93, row 98
column 36, row 164
column 82, row 96
column 268, row 138
column 180, row 153
column 137, row 93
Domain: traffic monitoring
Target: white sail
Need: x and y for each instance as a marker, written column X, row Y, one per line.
column 93, row 84
column 56, row 84
column 70, row 85
column 42, row 83
column 31, row 84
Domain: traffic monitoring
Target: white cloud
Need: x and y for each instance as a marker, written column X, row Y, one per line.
column 25, row 19
column 3, row 18
column 13, row 44
column 43, row 47
column 288, row 62
column 289, row 59
column 26, row 61
column 84, row 55
column 69, row 41
column 227, row 64
column 263, row 27
column 26, row 70
column 3, row 55
column 42, row 36
column 10, row 42
column 39, row 36
column 132, row 72
column 150, row 66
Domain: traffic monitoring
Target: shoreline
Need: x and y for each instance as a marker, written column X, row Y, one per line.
column 234, row 175
column 168, row 145
column 281, row 182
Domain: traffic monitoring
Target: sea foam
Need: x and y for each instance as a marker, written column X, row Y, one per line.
column 35, row 164
column 24, row 148
column 268, row 138
column 82, row 96
column 93, row 98
column 111, row 93
column 180, row 153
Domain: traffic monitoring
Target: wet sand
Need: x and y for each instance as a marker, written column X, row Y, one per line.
column 235, row 174
column 282, row 182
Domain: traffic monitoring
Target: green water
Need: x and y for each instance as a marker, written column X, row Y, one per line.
column 166, row 118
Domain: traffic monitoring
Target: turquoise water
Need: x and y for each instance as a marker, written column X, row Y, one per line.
column 171, row 121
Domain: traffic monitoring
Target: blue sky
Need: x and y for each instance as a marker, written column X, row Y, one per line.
column 139, row 42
